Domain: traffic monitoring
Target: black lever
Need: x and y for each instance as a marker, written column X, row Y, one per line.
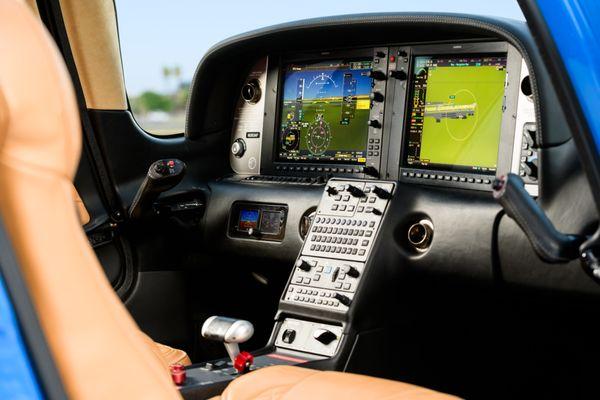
column 550, row 245
column 162, row 176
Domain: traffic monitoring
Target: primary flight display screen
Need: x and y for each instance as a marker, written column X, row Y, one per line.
column 325, row 112
column 455, row 112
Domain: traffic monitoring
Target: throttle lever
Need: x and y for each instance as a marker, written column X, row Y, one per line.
column 162, row 175
column 550, row 245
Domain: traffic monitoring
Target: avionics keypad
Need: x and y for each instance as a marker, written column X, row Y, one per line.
column 335, row 251
column 347, row 219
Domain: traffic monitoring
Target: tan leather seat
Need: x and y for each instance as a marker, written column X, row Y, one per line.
column 98, row 349
column 168, row 354
column 294, row 383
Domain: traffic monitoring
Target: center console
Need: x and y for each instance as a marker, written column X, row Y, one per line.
column 329, row 269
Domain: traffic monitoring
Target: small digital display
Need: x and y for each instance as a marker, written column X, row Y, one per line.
column 324, row 112
column 455, row 112
column 270, row 222
column 248, row 219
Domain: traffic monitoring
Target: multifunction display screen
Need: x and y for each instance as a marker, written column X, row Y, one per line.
column 455, row 112
column 325, row 112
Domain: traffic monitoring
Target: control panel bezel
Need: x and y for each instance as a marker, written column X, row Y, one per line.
column 388, row 161
column 275, row 76
column 465, row 180
column 238, row 207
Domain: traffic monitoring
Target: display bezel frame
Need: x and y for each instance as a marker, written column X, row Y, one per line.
column 285, row 68
column 504, row 157
column 274, row 101
column 435, row 166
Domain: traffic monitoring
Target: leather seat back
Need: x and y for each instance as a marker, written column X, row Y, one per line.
column 98, row 349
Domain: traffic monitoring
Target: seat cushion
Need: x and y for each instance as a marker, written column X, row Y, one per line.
column 172, row 355
column 291, row 383
column 168, row 355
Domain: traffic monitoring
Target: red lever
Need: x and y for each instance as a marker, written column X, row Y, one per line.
column 243, row 362
column 178, row 374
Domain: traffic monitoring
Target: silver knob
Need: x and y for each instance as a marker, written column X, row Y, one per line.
column 230, row 331
column 420, row 234
column 251, row 91
column 238, row 147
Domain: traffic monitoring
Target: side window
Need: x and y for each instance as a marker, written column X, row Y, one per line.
column 162, row 42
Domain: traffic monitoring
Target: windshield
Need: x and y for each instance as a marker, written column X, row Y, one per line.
column 162, row 42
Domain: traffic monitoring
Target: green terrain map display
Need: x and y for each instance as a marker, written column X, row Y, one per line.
column 463, row 115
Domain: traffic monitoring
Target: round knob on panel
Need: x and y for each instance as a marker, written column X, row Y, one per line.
column 303, row 265
column 251, row 91
column 401, row 75
column 371, row 171
column 375, row 123
column 377, row 74
column 376, row 96
column 345, row 300
column 331, row 191
column 381, row 193
column 288, row 336
column 355, row 191
column 238, row 147
column 420, row 234
column 352, row 271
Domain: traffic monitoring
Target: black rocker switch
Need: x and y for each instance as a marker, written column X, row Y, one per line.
column 345, row 300
column 355, row 192
column 382, row 193
column 303, row 265
column 331, row 191
column 324, row 336
column 377, row 211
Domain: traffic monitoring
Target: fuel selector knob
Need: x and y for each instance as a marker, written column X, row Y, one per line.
column 238, row 147
column 420, row 234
